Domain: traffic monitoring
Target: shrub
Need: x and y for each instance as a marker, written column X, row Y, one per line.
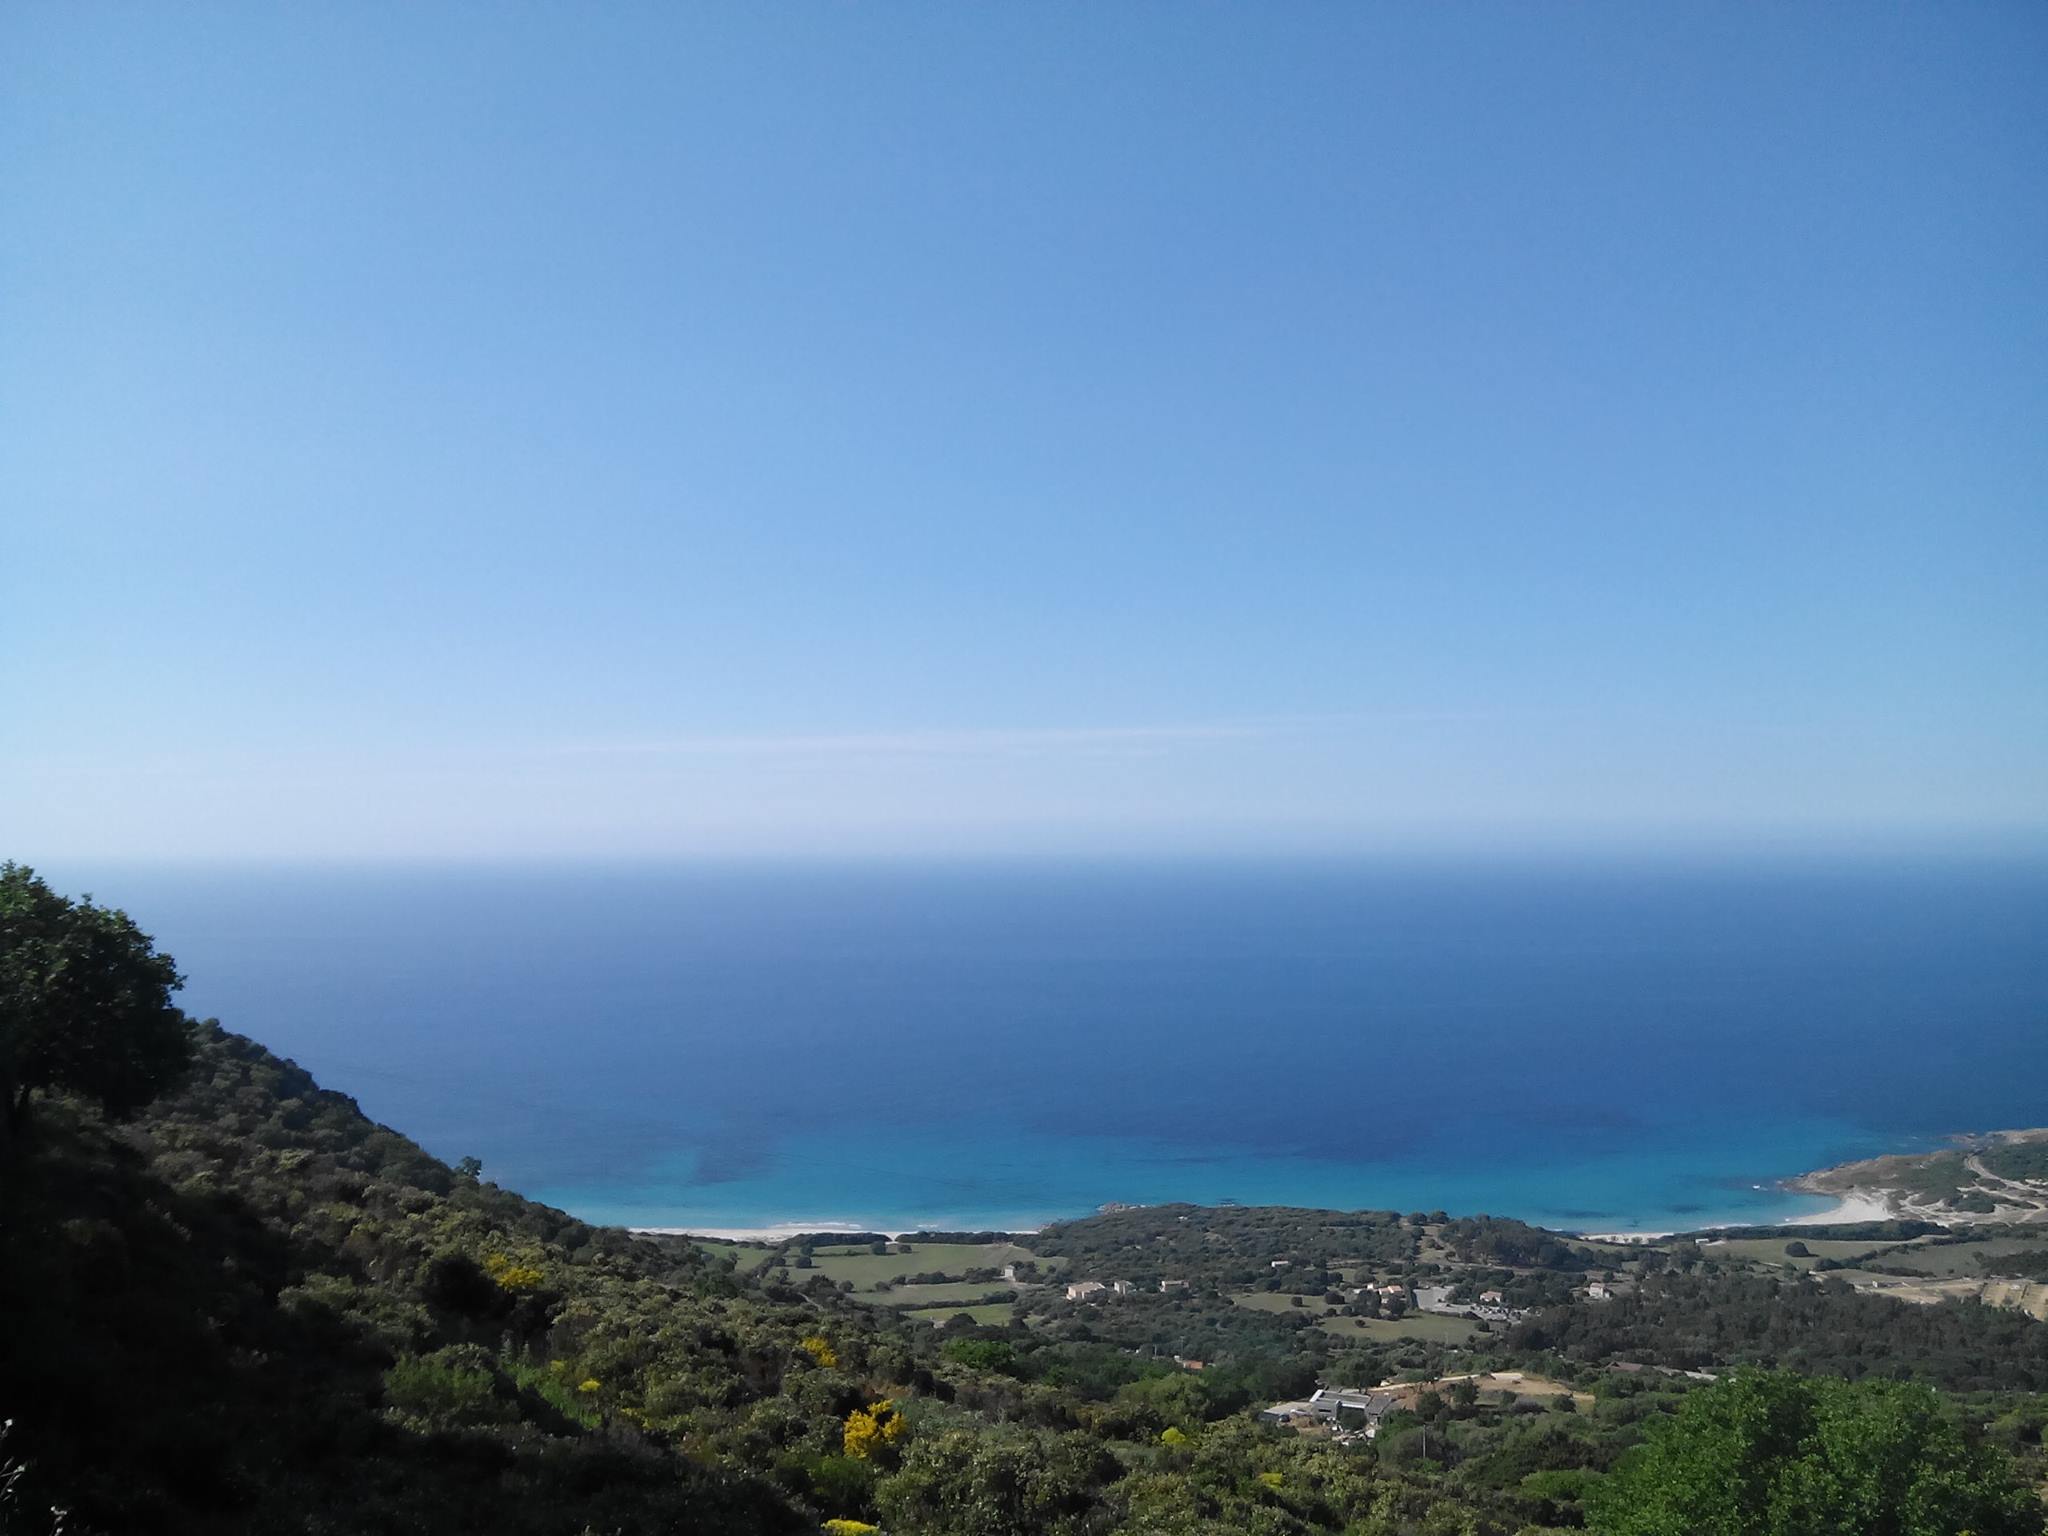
column 451, row 1388
column 873, row 1429
column 455, row 1282
column 995, row 1355
column 511, row 1275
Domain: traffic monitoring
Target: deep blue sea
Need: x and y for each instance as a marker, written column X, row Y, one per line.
column 1592, row 1047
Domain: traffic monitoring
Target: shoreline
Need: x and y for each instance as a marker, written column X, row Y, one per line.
column 1851, row 1207
column 1864, row 1206
column 777, row 1232
column 783, row 1231
column 1861, row 1192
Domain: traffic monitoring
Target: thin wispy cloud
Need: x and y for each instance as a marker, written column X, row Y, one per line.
column 934, row 742
column 1000, row 740
column 969, row 742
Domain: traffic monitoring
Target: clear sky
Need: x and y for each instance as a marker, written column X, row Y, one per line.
column 481, row 430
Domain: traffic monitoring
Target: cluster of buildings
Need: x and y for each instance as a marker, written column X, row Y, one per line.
column 1393, row 1290
column 1491, row 1307
column 1356, row 1413
column 1096, row 1290
column 1346, row 1410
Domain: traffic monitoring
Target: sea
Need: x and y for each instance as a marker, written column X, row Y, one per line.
column 1595, row 1046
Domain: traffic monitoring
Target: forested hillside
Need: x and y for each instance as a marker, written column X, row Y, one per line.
column 254, row 1309
column 241, row 1306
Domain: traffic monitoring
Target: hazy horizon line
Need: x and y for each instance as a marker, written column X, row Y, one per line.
column 1761, row 846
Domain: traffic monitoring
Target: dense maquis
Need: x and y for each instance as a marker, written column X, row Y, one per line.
column 243, row 1306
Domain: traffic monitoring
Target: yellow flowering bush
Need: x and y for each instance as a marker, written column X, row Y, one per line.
column 589, row 1384
column 510, row 1274
column 820, row 1349
column 873, row 1428
column 850, row 1528
column 1172, row 1436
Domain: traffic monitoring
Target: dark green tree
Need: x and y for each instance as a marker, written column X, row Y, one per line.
column 1773, row 1454
column 85, row 1003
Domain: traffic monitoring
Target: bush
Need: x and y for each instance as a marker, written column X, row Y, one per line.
column 995, row 1355
column 455, row 1282
column 453, row 1388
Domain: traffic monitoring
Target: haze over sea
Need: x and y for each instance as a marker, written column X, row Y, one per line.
column 1625, row 1045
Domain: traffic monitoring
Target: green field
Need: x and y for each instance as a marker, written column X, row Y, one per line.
column 865, row 1269
column 1961, row 1258
column 1771, row 1250
column 1270, row 1301
column 994, row 1312
column 1425, row 1326
column 1919, row 1256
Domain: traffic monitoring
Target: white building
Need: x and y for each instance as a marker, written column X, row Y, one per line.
column 1343, row 1408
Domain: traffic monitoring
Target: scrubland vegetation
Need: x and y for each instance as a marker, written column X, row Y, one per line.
column 233, row 1303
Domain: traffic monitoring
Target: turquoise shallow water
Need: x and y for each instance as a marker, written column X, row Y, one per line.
column 912, row 1177
column 1645, row 1046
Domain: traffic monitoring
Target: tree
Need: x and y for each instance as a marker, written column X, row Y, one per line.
column 1774, row 1454
column 996, row 1355
column 85, row 1003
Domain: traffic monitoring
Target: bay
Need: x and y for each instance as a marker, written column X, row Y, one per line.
column 1597, row 1046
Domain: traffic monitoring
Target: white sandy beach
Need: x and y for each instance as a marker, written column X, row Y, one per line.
column 1856, row 1205
column 782, row 1231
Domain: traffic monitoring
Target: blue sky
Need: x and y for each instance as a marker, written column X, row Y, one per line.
column 465, row 430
